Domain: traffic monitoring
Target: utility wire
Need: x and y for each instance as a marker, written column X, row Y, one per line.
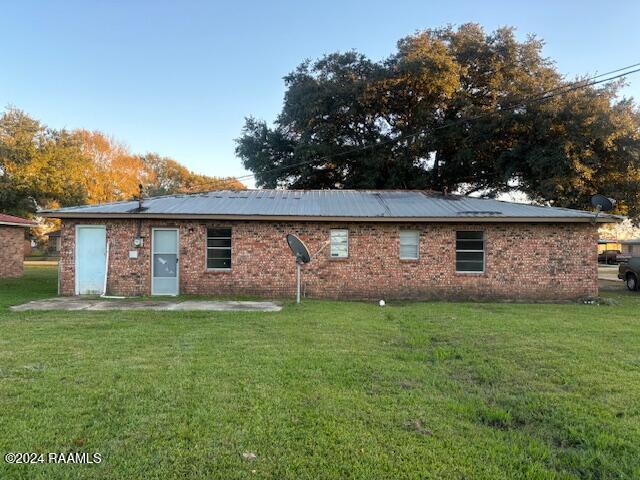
column 554, row 92
column 588, row 79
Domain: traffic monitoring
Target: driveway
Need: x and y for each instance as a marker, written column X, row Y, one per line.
column 608, row 272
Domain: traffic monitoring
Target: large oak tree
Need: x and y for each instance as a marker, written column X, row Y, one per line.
column 450, row 110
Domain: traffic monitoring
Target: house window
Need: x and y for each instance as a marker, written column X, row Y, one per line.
column 470, row 252
column 339, row 243
column 409, row 244
column 219, row 248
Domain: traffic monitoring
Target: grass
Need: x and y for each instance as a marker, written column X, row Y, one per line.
column 323, row 390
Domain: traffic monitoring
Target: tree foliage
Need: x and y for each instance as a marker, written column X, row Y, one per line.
column 38, row 166
column 164, row 176
column 42, row 167
column 446, row 112
column 112, row 173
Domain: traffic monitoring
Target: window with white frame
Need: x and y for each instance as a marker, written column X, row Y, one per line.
column 409, row 244
column 219, row 248
column 339, row 243
column 470, row 252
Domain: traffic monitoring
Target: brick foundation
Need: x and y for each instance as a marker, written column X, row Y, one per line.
column 523, row 261
column 11, row 251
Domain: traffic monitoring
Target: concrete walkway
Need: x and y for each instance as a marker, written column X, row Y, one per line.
column 79, row 303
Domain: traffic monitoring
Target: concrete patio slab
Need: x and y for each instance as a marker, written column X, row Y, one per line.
column 78, row 303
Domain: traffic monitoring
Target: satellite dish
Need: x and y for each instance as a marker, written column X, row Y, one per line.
column 298, row 248
column 301, row 252
column 602, row 203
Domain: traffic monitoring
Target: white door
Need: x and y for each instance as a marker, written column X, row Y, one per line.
column 164, row 262
column 91, row 254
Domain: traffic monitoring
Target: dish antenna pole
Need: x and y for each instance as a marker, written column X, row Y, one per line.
column 602, row 204
column 140, row 196
column 301, row 253
column 297, row 282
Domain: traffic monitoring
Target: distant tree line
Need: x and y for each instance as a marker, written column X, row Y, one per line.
column 447, row 111
column 44, row 167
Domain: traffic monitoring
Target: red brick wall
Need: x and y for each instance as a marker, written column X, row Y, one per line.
column 523, row 261
column 11, row 251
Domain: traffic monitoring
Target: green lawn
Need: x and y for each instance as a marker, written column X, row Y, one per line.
column 323, row 390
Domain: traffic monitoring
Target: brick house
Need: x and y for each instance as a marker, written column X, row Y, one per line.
column 365, row 244
column 12, row 245
column 630, row 247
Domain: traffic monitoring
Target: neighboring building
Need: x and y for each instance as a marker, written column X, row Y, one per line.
column 609, row 251
column 368, row 244
column 12, row 245
column 631, row 247
column 608, row 246
column 53, row 243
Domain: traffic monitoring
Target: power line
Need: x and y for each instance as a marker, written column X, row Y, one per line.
column 561, row 87
column 545, row 96
column 554, row 92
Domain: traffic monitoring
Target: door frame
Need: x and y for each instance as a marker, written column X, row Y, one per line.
column 75, row 250
column 153, row 232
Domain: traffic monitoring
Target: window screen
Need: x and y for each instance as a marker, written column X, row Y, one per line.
column 219, row 248
column 339, row 243
column 409, row 244
column 470, row 252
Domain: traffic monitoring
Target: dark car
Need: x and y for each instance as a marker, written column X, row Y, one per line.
column 630, row 273
column 610, row 257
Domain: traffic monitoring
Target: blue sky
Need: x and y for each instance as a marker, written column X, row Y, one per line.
column 179, row 77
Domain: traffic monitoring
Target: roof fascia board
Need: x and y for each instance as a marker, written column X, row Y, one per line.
column 14, row 224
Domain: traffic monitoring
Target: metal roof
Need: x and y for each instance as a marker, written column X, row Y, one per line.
column 383, row 205
column 14, row 221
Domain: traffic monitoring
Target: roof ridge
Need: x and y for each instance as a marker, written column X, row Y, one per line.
column 536, row 205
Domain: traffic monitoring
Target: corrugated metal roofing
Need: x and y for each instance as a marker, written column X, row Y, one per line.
column 380, row 204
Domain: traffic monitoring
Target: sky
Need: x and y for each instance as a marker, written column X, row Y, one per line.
column 178, row 78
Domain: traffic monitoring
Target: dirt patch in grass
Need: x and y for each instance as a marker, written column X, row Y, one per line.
column 416, row 425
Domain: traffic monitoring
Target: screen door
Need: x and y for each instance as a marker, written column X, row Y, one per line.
column 164, row 261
